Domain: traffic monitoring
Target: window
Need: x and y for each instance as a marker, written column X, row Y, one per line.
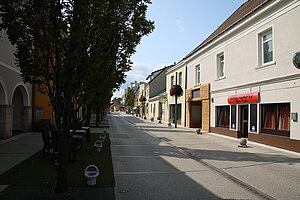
column 197, row 73
column 267, row 47
column 180, row 78
column 172, row 80
column 276, row 119
column 223, row 116
column 196, row 93
column 220, row 66
column 172, row 112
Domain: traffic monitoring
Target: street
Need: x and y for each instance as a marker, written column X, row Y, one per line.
column 154, row 161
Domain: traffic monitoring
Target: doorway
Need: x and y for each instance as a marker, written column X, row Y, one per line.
column 244, row 121
column 196, row 115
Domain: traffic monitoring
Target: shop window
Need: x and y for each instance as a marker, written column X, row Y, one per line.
column 253, row 117
column 172, row 112
column 196, row 93
column 233, row 116
column 223, row 116
column 276, row 119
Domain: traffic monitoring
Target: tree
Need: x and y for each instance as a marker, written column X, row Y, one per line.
column 129, row 99
column 64, row 45
column 118, row 100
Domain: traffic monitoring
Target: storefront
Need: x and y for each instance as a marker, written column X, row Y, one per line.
column 198, row 107
column 269, row 116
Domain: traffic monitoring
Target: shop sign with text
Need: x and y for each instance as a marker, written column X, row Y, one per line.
column 244, row 98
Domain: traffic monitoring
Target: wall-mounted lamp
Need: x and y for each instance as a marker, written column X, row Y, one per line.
column 296, row 60
column 294, row 116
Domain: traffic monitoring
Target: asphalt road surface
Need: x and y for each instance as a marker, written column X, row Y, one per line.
column 154, row 161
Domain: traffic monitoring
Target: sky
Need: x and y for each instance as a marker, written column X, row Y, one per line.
column 180, row 26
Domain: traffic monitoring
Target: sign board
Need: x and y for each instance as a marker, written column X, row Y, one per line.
column 162, row 100
column 244, row 98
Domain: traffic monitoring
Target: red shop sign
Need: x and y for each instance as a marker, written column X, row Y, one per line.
column 244, row 98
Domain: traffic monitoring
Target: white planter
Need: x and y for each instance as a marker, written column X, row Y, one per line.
column 91, row 173
column 98, row 145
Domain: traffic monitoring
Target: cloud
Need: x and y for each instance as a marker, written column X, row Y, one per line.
column 139, row 73
column 180, row 25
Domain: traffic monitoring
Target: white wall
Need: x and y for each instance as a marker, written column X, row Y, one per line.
column 278, row 82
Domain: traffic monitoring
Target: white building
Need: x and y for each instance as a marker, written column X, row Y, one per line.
column 254, row 86
column 15, row 96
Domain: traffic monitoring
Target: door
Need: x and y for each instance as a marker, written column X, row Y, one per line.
column 160, row 111
column 244, row 121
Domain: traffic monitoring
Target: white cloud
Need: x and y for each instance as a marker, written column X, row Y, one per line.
column 180, row 25
column 139, row 73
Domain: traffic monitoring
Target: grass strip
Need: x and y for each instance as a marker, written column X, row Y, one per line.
column 39, row 171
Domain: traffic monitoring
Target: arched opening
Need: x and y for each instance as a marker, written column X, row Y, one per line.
column 17, row 102
column 2, row 95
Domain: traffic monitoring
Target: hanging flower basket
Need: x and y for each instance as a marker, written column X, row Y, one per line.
column 143, row 99
column 176, row 90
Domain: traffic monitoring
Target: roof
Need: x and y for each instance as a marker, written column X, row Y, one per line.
column 161, row 71
column 157, row 72
column 158, row 96
column 241, row 13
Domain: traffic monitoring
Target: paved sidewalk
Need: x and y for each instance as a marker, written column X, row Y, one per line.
column 16, row 149
column 154, row 161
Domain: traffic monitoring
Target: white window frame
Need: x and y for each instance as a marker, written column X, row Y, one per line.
column 197, row 70
column 219, row 61
column 262, row 46
column 260, row 52
column 172, row 80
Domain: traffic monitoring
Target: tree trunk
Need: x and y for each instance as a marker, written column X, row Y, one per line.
column 97, row 117
column 63, row 147
column 88, row 115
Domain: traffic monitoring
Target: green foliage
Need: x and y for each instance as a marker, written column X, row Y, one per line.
column 74, row 49
column 129, row 99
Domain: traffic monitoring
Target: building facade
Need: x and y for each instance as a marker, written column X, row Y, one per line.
column 157, row 107
column 176, row 75
column 15, row 95
column 254, row 84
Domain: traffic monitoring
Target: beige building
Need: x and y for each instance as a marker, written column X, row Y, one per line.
column 176, row 75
